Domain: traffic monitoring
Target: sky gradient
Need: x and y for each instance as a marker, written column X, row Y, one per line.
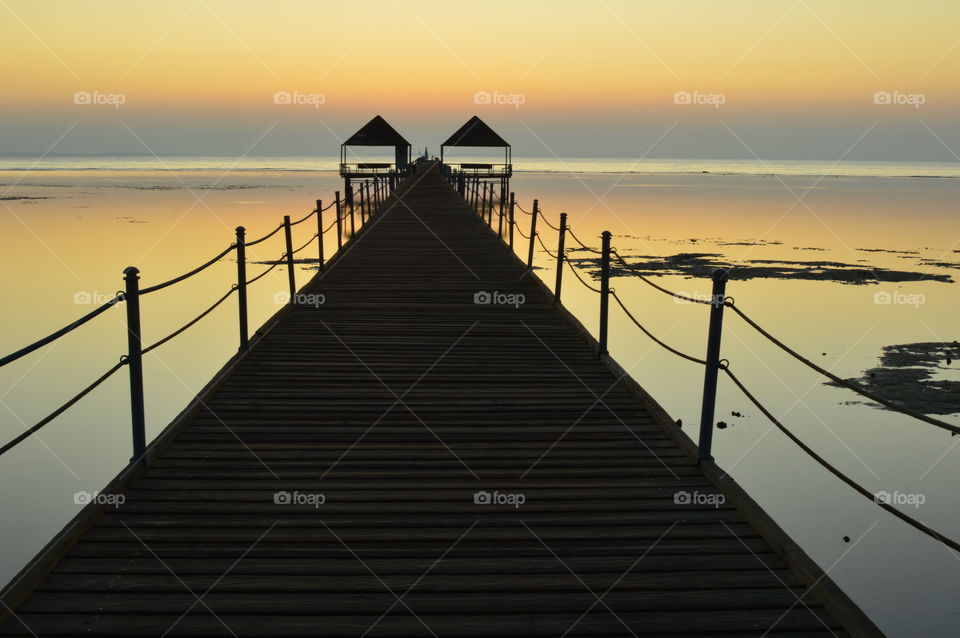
column 781, row 79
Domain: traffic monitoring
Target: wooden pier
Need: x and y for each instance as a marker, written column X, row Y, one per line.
column 336, row 479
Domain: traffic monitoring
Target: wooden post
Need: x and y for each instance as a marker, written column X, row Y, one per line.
column 604, row 289
column 131, row 297
column 513, row 205
column 320, row 235
column 560, row 256
column 704, row 451
column 339, row 221
column 533, row 231
column 242, row 286
column 290, row 274
column 350, row 203
column 500, row 211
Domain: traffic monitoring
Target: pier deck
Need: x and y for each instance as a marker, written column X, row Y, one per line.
column 398, row 399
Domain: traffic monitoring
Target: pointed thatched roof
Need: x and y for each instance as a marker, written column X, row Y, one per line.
column 476, row 132
column 376, row 132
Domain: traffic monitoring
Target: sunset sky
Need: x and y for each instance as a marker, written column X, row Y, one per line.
column 795, row 78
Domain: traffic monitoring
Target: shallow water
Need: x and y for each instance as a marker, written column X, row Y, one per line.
column 70, row 247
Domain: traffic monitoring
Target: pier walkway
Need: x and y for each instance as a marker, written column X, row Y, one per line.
column 426, row 445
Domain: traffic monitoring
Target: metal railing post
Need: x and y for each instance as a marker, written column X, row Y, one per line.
column 363, row 217
column 350, row 202
column 604, row 289
column 131, row 297
column 242, row 285
column 290, row 274
column 500, row 212
column 513, row 204
column 339, row 221
column 483, row 203
column 533, row 231
column 560, row 256
column 320, row 235
column 704, row 449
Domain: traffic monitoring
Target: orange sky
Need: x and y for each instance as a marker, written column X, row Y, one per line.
column 580, row 60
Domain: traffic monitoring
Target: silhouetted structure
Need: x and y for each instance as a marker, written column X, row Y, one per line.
column 376, row 132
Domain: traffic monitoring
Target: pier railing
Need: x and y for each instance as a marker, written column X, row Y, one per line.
column 350, row 215
column 488, row 204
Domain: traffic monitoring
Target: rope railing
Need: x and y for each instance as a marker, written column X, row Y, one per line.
column 872, row 496
column 265, row 237
column 577, row 275
column 315, row 235
column 264, row 273
column 647, row 281
column 187, row 275
column 838, row 380
column 713, row 364
column 303, row 219
column 544, row 246
column 50, row 338
column 63, row 408
column 132, row 294
column 660, row 343
column 583, row 245
column 190, row 323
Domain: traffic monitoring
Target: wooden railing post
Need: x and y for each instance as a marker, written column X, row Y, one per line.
column 350, row 203
column 242, row 286
column 604, row 289
column 339, row 221
column 533, row 231
column 704, row 449
column 483, row 203
column 513, row 204
column 560, row 256
column 131, row 297
column 363, row 212
column 320, row 259
column 500, row 211
column 290, row 274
